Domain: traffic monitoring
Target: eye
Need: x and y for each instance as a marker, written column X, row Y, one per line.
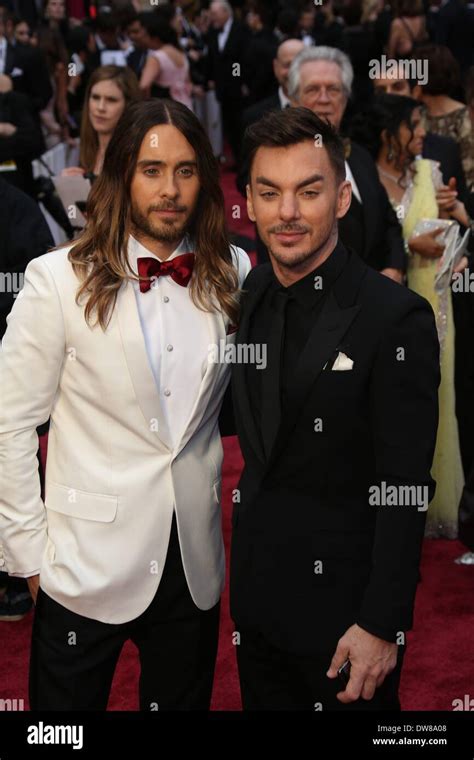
column 151, row 172
column 268, row 194
column 310, row 193
column 186, row 172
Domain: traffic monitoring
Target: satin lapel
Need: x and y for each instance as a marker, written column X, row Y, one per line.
column 138, row 365
column 368, row 197
column 239, row 384
column 217, row 337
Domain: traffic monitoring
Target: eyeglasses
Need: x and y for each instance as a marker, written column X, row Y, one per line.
column 333, row 91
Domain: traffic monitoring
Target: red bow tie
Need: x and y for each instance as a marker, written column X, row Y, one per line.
column 179, row 269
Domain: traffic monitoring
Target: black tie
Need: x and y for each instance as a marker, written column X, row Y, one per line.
column 271, row 386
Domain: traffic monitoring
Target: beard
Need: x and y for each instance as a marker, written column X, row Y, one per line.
column 165, row 231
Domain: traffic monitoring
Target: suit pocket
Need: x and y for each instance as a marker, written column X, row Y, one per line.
column 81, row 504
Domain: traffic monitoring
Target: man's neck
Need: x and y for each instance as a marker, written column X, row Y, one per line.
column 287, row 276
column 162, row 250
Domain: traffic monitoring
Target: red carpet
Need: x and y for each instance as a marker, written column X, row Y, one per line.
column 438, row 666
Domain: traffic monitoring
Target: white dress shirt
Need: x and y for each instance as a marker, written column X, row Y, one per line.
column 284, row 101
column 176, row 339
column 223, row 34
column 351, row 179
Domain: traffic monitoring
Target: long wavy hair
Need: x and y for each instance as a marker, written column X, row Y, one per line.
column 127, row 82
column 99, row 258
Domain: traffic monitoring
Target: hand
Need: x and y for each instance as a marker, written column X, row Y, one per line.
column 446, row 195
column 461, row 266
column 372, row 659
column 33, row 585
column 395, row 274
column 6, row 84
column 426, row 245
column 7, row 129
column 73, row 171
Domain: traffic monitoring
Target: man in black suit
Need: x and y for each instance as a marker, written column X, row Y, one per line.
column 21, row 139
column 26, row 67
column 340, row 411
column 227, row 40
column 285, row 54
column 321, row 78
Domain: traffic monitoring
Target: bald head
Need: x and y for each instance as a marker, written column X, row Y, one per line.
column 287, row 51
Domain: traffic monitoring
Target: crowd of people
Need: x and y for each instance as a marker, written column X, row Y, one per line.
column 395, row 82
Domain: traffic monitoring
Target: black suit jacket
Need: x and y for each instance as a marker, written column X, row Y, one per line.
column 29, row 73
column 446, row 151
column 25, row 235
column 220, row 65
column 309, row 502
column 383, row 243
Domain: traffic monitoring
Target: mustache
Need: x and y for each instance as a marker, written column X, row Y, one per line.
column 168, row 207
column 288, row 228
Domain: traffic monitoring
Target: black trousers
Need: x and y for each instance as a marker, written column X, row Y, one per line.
column 73, row 658
column 271, row 679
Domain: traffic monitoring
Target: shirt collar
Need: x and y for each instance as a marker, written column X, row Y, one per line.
column 305, row 292
column 225, row 29
column 284, row 101
column 136, row 250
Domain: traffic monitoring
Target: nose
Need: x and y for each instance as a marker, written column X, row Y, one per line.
column 322, row 96
column 289, row 210
column 170, row 188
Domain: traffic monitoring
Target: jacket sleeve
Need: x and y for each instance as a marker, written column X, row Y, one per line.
column 31, row 359
column 404, row 410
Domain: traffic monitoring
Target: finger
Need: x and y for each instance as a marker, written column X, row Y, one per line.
column 354, row 687
column 339, row 658
column 368, row 689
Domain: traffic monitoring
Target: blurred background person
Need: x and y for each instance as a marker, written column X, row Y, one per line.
column 393, row 131
column 320, row 79
column 445, row 114
column 166, row 66
column 408, row 28
column 110, row 90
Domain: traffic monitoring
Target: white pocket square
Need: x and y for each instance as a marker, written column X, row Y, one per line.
column 16, row 72
column 342, row 363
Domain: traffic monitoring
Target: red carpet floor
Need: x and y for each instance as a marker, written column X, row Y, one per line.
column 439, row 666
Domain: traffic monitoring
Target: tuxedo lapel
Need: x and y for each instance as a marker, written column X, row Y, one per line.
column 239, row 380
column 217, row 337
column 368, row 197
column 139, row 367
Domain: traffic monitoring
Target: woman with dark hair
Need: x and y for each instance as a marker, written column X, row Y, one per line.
column 408, row 28
column 394, row 133
column 54, row 118
column 166, row 66
column 445, row 115
column 110, row 90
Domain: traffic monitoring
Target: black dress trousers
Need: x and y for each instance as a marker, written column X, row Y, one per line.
column 73, row 657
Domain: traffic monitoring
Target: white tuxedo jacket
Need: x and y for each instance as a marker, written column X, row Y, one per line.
column 100, row 539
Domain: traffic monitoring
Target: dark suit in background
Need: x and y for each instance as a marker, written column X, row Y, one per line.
column 26, row 66
column 220, row 69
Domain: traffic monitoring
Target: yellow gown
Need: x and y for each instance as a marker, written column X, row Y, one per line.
column 419, row 202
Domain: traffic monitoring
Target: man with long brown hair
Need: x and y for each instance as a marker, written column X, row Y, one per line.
column 116, row 332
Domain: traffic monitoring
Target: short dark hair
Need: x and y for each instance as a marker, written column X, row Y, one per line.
column 443, row 69
column 280, row 129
